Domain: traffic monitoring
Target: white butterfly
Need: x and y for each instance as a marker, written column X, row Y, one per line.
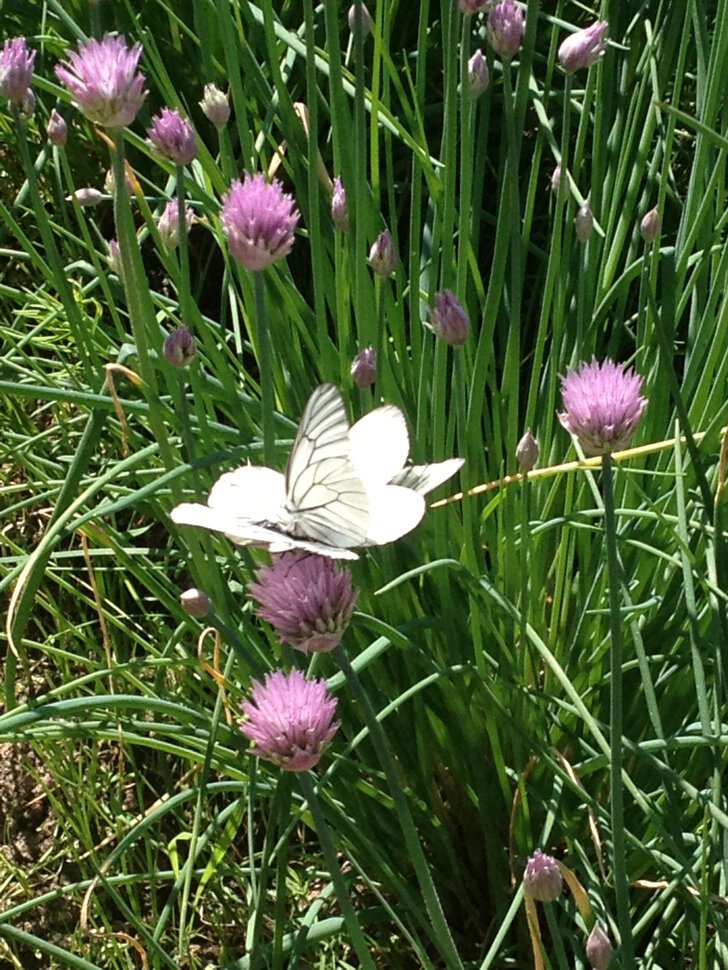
column 343, row 487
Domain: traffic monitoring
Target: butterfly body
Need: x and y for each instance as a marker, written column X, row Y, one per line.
column 343, row 487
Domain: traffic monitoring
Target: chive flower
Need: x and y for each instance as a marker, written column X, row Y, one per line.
column 102, row 76
column 364, row 368
column 542, row 879
column 505, row 28
column 383, row 255
column 258, row 219
column 173, row 137
column 16, row 69
column 308, row 600
column 215, row 106
column 179, row 348
column 583, row 48
column 448, row 319
column 603, row 406
column 290, row 720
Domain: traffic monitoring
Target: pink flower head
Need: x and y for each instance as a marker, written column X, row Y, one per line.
column 542, row 879
column 505, row 28
column 603, row 406
column 307, row 599
column 383, row 255
column 102, row 76
column 583, row 48
column 469, row 7
column 364, row 368
column 168, row 223
column 259, row 220
column 16, row 69
column 173, row 137
column 339, row 211
column 290, row 720
column 448, row 319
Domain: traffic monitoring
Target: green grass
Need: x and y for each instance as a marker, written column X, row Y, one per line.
column 482, row 640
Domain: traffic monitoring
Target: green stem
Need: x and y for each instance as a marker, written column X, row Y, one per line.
column 619, row 853
column 441, row 930
column 342, row 893
column 266, row 371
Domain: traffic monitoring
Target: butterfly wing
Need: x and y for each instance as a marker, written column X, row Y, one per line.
column 326, row 499
column 246, row 533
column 395, row 511
column 379, row 444
column 423, row 478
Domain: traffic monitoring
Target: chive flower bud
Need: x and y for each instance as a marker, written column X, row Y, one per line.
column 542, row 879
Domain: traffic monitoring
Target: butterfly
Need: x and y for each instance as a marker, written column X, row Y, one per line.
column 344, row 487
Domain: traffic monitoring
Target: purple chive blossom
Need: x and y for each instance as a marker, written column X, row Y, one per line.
column 102, row 76
column 215, row 106
column 179, row 348
column 542, row 879
column 168, row 223
column 603, row 406
column 307, row 600
column 448, row 319
column 584, row 48
column 599, row 948
column 259, row 220
column 364, row 368
column 16, row 69
column 339, row 211
column 469, row 7
column 505, row 28
column 173, row 137
column 478, row 75
column 290, row 720
column 382, row 255
column 57, row 130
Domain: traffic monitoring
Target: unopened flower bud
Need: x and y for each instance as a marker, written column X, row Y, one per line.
column 478, row 76
column 114, row 259
column 110, row 183
column 584, row 222
column 359, row 16
column 382, row 255
column 599, row 948
column 168, row 223
column 584, row 48
column 651, row 225
column 542, row 879
column 195, row 602
column 527, row 452
column 215, row 106
column 86, row 196
column 179, row 347
column 448, row 319
column 339, row 211
column 505, row 28
column 27, row 105
column 560, row 183
column 57, row 130
column 364, row 367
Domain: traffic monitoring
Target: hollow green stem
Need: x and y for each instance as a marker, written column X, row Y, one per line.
column 265, row 365
column 616, row 786
column 342, row 893
column 441, row 931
